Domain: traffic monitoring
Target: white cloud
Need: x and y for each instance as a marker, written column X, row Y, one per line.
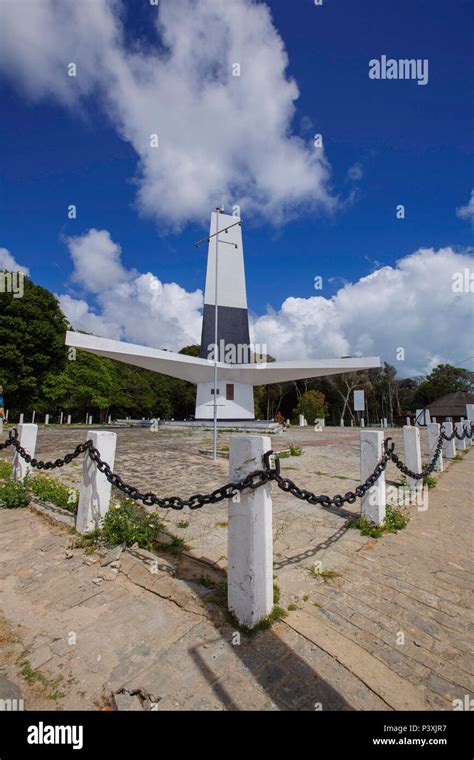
column 411, row 305
column 8, row 263
column 130, row 305
column 467, row 212
column 222, row 138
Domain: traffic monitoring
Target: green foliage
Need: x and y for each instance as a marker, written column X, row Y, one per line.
column 50, row 489
column 32, row 330
column 276, row 593
column 311, row 405
column 295, row 451
column 430, row 481
column 292, row 607
column 127, row 523
column 395, row 520
column 442, row 380
column 366, row 527
column 5, row 470
column 325, row 575
column 13, row 495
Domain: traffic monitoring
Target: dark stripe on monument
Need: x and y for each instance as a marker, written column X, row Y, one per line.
column 232, row 327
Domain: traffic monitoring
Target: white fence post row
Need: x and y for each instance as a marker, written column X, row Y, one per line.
column 411, row 443
column 449, row 447
column 27, row 434
column 433, row 437
column 373, row 502
column 94, row 496
column 460, row 445
column 250, row 540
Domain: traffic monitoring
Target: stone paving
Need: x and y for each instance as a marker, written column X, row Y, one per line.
column 391, row 630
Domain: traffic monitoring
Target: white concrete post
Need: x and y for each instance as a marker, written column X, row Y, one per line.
column 433, row 436
column 341, row 424
column 449, row 447
column 433, row 419
column 46, row 419
column 362, row 422
column 33, row 417
column 372, row 505
column 250, row 541
column 411, row 443
column 109, row 419
column 408, row 421
column 460, row 445
column 68, row 420
column 27, row 438
column 94, row 496
column 288, row 423
column 385, row 422
column 61, row 417
column 90, row 420
column 381, row 423
column 301, row 420
column 22, row 417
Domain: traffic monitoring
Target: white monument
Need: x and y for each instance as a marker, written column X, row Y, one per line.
column 238, row 368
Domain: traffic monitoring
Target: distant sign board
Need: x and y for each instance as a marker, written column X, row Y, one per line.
column 359, row 401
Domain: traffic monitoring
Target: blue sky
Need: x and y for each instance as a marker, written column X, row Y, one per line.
column 413, row 145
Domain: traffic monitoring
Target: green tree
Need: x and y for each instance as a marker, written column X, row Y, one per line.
column 311, row 405
column 32, row 330
column 442, row 380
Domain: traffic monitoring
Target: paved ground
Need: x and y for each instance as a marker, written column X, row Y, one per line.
column 391, row 631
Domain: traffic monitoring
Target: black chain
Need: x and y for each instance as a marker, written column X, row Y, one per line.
column 403, row 468
column 338, row 501
column 12, row 440
column 253, row 481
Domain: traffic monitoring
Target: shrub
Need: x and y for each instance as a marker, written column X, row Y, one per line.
column 395, row 519
column 5, row 469
column 50, row 489
column 13, row 495
column 127, row 523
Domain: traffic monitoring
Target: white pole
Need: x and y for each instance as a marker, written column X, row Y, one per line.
column 33, row 417
column 460, row 445
column 449, row 447
column 27, row 434
column 250, row 542
column 411, row 443
column 216, row 349
column 46, row 419
column 94, row 497
column 374, row 500
column 433, row 437
column 61, row 417
column 68, row 420
column 22, row 417
column 408, row 421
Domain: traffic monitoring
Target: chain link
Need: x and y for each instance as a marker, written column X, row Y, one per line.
column 256, row 479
